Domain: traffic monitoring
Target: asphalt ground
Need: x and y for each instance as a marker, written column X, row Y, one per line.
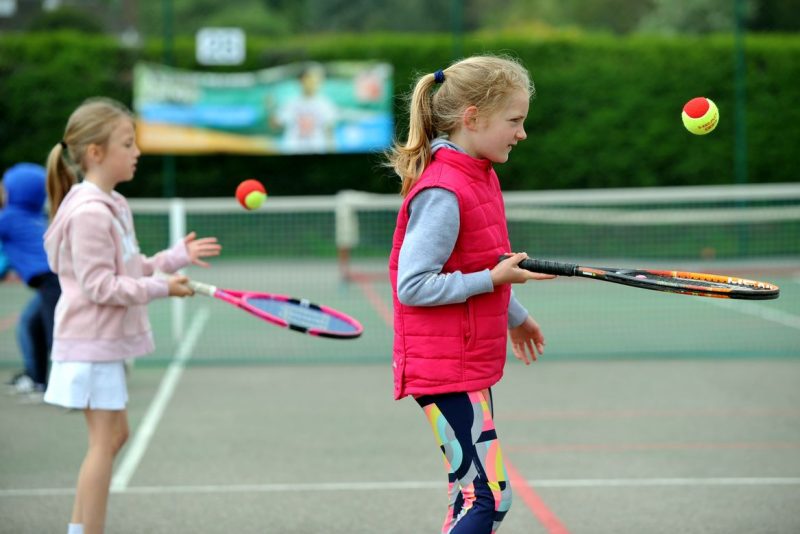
column 649, row 413
column 614, row 446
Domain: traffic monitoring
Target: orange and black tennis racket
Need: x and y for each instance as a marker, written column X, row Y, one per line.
column 685, row 283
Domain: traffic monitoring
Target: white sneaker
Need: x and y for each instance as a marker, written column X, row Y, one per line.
column 23, row 384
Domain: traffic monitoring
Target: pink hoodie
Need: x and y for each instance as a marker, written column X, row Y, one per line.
column 106, row 282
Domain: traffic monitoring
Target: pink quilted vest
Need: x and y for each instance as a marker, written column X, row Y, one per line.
column 455, row 347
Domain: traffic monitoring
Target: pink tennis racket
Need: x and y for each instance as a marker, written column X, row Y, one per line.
column 299, row 315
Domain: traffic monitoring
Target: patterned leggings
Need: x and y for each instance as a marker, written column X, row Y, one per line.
column 478, row 487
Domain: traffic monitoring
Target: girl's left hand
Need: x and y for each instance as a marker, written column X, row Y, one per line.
column 201, row 248
column 526, row 340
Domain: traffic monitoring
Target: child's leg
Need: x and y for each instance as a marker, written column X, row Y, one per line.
column 108, row 431
column 480, row 494
column 30, row 339
column 49, row 291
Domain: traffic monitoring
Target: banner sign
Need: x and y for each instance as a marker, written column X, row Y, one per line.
column 300, row 108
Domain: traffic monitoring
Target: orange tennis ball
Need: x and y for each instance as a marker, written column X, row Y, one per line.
column 251, row 194
column 700, row 115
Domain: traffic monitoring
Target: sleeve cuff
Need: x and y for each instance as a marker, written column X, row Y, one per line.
column 181, row 254
column 516, row 312
column 157, row 288
column 479, row 282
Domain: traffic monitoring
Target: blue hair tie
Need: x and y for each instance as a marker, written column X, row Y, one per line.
column 438, row 76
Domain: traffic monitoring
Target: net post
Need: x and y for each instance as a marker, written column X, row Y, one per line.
column 346, row 231
column 177, row 230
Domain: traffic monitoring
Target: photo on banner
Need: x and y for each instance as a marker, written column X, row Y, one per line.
column 299, row 108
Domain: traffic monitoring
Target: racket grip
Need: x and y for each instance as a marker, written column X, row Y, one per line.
column 545, row 266
column 203, row 289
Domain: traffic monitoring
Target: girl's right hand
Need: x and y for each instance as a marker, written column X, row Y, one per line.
column 508, row 272
column 178, row 286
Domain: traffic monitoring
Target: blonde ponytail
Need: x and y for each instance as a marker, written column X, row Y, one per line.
column 410, row 159
column 60, row 178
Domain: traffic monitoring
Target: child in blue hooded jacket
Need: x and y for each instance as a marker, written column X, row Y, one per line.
column 22, row 226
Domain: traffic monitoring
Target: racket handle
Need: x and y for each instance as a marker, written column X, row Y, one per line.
column 203, row 289
column 545, row 266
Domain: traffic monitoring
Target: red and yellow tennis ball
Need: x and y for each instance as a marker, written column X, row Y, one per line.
column 251, row 194
column 700, row 115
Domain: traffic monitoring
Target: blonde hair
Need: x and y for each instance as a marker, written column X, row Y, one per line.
column 485, row 82
column 90, row 124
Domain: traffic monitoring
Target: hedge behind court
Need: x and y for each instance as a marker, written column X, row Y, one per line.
column 606, row 112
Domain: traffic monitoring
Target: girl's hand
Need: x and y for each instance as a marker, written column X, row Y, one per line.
column 508, row 272
column 526, row 340
column 201, row 248
column 177, row 286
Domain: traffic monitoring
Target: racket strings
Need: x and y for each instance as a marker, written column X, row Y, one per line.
column 304, row 315
column 725, row 281
column 707, row 281
column 301, row 316
column 296, row 313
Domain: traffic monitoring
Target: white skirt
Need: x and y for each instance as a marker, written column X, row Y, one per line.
column 94, row 385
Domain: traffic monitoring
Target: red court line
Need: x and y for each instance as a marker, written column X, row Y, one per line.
column 376, row 301
column 7, row 322
column 621, row 447
column 522, row 489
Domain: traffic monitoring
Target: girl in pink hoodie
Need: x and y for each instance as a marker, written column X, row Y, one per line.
column 453, row 307
column 101, row 317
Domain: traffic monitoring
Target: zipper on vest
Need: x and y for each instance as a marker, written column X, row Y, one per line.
column 470, row 330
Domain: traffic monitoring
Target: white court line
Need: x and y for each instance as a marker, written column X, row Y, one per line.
column 169, row 382
column 417, row 485
column 759, row 310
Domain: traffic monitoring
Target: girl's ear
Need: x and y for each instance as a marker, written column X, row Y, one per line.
column 469, row 118
column 94, row 153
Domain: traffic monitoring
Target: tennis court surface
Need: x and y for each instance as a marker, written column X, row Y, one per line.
column 649, row 412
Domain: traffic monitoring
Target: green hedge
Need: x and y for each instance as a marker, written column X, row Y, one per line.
column 606, row 114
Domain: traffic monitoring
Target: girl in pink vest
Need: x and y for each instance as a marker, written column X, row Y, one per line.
column 101, row 317
column 453, row 307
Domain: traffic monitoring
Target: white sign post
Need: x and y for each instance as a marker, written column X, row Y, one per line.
column 220, row 46
column 8, row 8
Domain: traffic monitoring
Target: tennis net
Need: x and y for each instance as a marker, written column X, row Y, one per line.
column 685, row 224
column 334, row 250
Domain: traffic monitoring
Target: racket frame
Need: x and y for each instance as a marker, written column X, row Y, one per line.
column 239, row 299
column 731, row 287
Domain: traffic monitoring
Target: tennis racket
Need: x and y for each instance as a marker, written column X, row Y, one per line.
column 685, row 283
column 299, row 315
